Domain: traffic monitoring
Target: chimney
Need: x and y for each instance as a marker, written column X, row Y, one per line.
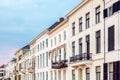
column 61, row 19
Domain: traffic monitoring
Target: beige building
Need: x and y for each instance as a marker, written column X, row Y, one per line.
column 112, row 39
column 58, row 52
column 2, row 72
column 84, row 46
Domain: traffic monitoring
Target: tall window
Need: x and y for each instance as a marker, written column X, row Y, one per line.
column 111, row 38
column 55, row 76
column 73, row 74
column 55, row 40
column 64, row 35
column 80, row 46
column 59, row 37
column 87, row 20
column 43, row 45
column 38, row 61
column 98, row 71
column 73, row 48
column 46, row 42
column 46, row 58
column 98, row 42
column 73, row 29
column 111, row 71
column 64, row 54
column 87, row 74
column 80, row 24
column 97, row 11
column 55, row 54
column 43, row 60
column 43, row 76
column 88, row 43
column 38, row 47
column 110, row 11
column 46, row 75
column 51, row 75
column 59, row 54
column 51, row 42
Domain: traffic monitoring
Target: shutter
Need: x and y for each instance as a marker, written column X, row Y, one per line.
column 105, row 74
column 114, row 70
column 105, row 13
column 118, row 70
column 118, row 5
column 115, row 7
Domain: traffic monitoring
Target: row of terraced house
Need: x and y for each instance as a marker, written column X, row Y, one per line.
column 83, row 46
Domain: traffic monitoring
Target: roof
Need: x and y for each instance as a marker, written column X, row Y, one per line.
column 77, row 7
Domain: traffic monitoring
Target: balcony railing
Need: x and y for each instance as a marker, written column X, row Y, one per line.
column 59, row 64
column 81, row 57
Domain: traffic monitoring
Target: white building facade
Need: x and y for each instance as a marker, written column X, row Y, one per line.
column 84, row 46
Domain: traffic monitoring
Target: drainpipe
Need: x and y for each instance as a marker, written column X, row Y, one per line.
column 104, row 31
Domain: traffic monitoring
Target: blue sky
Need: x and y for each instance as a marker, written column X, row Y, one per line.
column 22, row 20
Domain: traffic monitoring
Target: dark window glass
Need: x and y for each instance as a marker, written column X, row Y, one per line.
column 98, row 72
column 73, row 48
column 80, row 24
column 88, row 43
column 111, row 38
column 98, row 42
column 87, row 74
column 80, row 46
column 87, row 20
column 97, row 11
column 73, row 29
column 73, row 74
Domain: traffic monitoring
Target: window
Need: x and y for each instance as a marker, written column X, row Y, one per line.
column 73, row 29
column 64, row 35
column 98, row 42
column 97, row 11
column 88, row 43
column 59, row 37
column 111, row 71
column 73, row 74
column 46, row 58
column 80, row 46
column 64, row 54
column 43, row 60
column 51, row 42
column 46, row 75
column 46, row 42
column 98, row 71
column 55, row 54
column 38, row 47
column 80, row 24
column 51, row 75
column 87, row 74
column 55, row 76
column 55, row 40
column 59, row 54
column 73, row 48
column 38, row 61
column 110, row 11
column 87, row 20
column 43, row 76
column 111, row 38
column 43, row 45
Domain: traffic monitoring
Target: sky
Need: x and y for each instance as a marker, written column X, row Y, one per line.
column 22, row 20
